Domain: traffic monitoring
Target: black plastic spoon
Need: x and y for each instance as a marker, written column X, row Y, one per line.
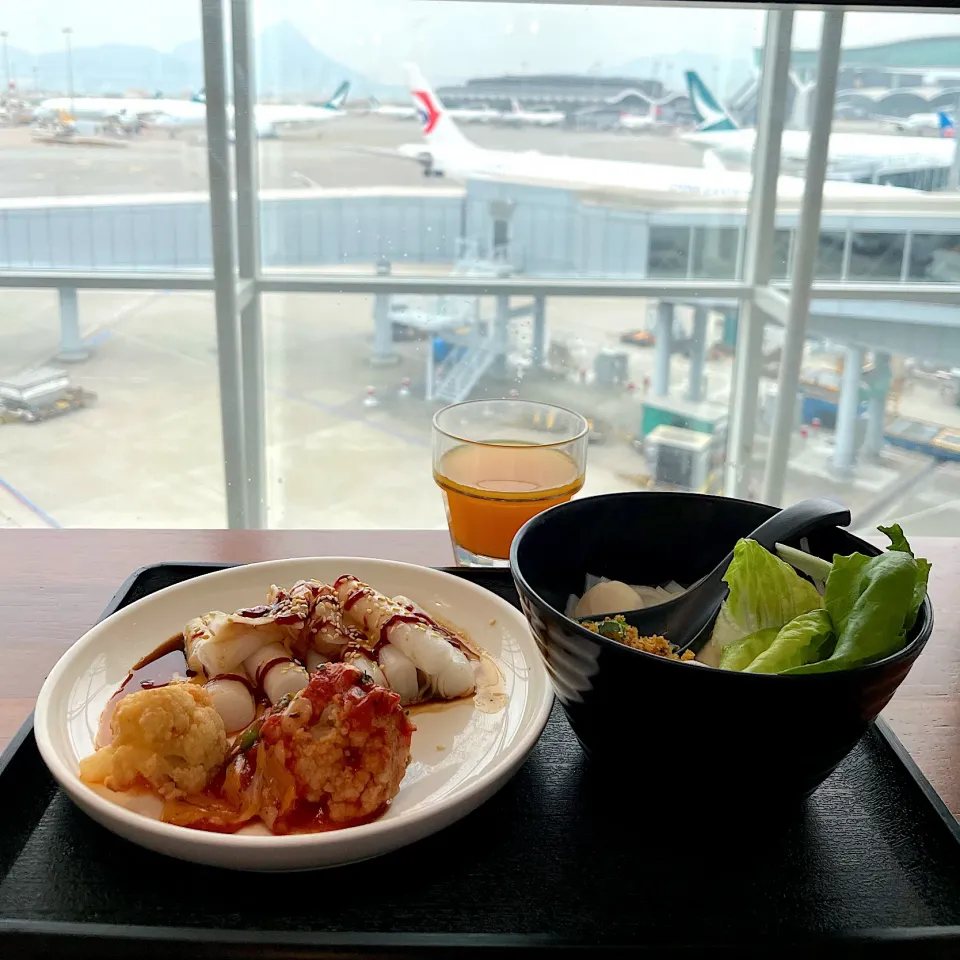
column 684, row 619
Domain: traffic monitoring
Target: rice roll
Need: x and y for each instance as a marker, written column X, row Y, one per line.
column 272, row 670
column 314, row 659
column 232, row 698
column 400, row 672
column 215, row 644
column 448, row 671
column 330, row 634
column 362, row 662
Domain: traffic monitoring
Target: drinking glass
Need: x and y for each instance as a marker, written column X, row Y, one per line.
column 499, row 463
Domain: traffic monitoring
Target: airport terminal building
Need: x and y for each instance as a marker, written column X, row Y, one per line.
column 579, row 96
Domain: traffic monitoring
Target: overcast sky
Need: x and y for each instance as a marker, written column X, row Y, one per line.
column 454, row 38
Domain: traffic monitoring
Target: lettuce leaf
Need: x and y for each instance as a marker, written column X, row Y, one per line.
column 764, row 592
column 870, row 600
column 899, row 542
column 805, row 639
column 741, row 653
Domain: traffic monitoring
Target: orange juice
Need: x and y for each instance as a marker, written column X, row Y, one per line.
column 492, row 489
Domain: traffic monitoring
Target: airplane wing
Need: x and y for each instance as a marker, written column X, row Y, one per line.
column 898, row 123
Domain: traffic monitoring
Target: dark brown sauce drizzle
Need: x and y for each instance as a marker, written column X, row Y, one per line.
column 260, row 692
column 156, row 669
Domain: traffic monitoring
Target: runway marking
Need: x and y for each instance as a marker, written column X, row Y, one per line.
column 931, row 511
column 894, row 495
column 29, row 504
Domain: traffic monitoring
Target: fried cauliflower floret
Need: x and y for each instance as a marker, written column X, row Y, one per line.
column 346, row 742
column 170, row 736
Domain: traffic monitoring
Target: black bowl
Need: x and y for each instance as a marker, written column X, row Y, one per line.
column 677, row 729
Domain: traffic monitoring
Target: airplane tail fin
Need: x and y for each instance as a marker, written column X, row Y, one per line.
column 947, row 127
column 436, row 124
column 200, row 96
column 711, row 116
column 711, row 161
column 339, row 97
column 374, row 102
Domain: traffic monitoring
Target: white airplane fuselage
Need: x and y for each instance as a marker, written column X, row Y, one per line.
column 475, row 114
column 446, row 151
column 271, row 119
column 635, row 121
column 394, row 111
column 103, row 108
column 533, row 118
column 464, row 162
column 845, row 150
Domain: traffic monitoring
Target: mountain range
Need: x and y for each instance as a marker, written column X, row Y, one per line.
column 289, row 65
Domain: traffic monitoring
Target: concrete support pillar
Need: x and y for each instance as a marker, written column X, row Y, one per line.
column 877, row 405
column 844, row 451
column 663, row 348
column 501, row 337
column 539, row 349
column 698, row 355
column 383, row 352
column 72, row 347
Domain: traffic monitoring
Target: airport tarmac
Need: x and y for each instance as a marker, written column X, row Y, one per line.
column 148, row 453
column 352, row 152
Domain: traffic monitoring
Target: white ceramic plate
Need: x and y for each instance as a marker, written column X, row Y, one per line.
column 461, row 756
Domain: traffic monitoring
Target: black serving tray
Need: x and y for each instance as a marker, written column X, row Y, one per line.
column 560, row 859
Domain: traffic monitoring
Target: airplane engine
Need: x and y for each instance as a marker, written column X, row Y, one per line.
column 429, row 167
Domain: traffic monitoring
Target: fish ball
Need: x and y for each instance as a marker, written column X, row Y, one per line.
column 611, row 596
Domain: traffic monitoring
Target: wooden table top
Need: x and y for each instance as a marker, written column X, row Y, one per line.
column 55, row 583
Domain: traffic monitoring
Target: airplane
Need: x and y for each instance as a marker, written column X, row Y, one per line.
column 481, row 114
column 640, row 121
column 447, row 152
column 271, row 119
column 518, row 116
column 128, row 112
column 393, row 110
column 939, row 123
column 850, row 154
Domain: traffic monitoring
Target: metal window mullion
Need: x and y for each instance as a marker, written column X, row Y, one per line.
column 223, row 250
column 845, row 254
column 808, row 233
column 907, row 254
column 248, row 260
column 758, row 250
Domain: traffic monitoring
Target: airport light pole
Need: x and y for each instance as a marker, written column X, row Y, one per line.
column 6, row 63
column 67, row 33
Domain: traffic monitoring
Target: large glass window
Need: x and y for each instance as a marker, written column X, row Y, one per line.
column 782, row 251
column 715, row 252
column 109, row 410
column 876, row 256
column 669, row 252
column 830, row 255
column 554, row 148
column 935, row 256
